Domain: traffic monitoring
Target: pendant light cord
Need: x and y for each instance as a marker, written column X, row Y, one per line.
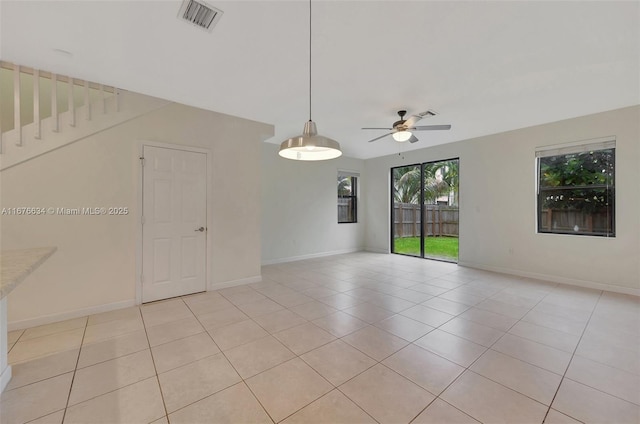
column 309, row 60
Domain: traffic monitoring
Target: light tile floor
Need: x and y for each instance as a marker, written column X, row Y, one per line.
column 358, row 338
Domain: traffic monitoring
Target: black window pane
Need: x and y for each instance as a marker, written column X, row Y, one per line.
column 347, row 199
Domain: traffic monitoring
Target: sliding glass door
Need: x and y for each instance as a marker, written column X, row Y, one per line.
column 440, row 210
column 406, row 186
column 424, row 211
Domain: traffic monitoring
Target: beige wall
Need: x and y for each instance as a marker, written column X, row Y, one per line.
column 498, row 209
column 300, row 208
column 95, row 264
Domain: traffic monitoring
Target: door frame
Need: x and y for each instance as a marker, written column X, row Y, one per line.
column 139, row 193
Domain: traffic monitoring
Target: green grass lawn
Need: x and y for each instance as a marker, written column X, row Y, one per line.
column 434, row 247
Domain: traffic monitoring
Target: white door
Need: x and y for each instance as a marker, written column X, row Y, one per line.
column 174, row 236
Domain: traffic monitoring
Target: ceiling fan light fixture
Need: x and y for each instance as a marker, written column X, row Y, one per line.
column 310, row 146
column 401, row 136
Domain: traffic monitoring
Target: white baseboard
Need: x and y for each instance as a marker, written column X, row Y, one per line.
column 48, row 319
column 310, row 256
column 554, row 278
column 5, row 377
column 376, row 250
column 234, row 283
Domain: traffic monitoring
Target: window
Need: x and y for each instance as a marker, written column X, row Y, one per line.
column 347, row 197
column 576, row 189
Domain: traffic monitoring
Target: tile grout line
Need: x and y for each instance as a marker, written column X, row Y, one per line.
column 323, row 395
column 451, row 383
column 73, row 378
column 468, row 368
column 383, row 293
column 568, row 364
column 572, row 356
column 153, row 361
column 442, row 400
column 76, row 369
column 341, row 392
column 494, row 343
column 242, row 380
column 24, row 330
column 404, row 347
column 49, row 378
column 102, row 362
column 288, row 360
column 300, row 355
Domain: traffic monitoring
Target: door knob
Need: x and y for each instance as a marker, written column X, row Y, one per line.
column 201, row 229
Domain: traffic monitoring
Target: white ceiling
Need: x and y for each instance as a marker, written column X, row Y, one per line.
column 486, row 67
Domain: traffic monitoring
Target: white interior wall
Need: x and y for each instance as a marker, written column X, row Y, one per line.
column 95, row 265
column 498, row 204
column 300, row 208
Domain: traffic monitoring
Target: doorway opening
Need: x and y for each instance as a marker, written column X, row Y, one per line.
column 425, row 210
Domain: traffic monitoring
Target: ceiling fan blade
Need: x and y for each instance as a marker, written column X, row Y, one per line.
column 413, row 139
column 382, row 136
column 371, row 128
column 412, row 120
column 431, row 127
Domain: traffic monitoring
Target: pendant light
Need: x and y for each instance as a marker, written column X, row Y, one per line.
column 310, row 145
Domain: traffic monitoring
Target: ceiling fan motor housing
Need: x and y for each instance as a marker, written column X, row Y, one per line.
column 401, row 113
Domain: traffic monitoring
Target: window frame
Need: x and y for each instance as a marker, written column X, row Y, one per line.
column 353, row 196
column 569, row 149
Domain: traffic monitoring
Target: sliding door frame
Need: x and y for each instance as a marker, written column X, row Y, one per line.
column 422, row 232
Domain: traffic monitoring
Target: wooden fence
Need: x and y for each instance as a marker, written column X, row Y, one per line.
column 565, row 220
column 439, row 220
column 345, row 211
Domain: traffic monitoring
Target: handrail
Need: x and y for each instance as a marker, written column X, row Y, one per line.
column 44, row 74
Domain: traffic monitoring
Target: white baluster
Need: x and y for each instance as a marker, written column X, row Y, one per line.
column 54, row 103
column 17, row 125
column 72, row 104
column 87, row 100
column 36, row 104
column 104, row 102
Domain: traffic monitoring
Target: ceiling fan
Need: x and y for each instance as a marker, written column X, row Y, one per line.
column 402, row 129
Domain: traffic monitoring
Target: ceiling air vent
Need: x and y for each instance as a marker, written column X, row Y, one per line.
column 200, row 14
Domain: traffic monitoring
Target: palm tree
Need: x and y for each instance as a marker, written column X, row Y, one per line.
column 435, row 185
column 344, row 186
column 440, row 179
column 449, row 172
column 406, row 185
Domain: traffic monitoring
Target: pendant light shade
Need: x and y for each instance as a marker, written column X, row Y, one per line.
column 310, row 145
